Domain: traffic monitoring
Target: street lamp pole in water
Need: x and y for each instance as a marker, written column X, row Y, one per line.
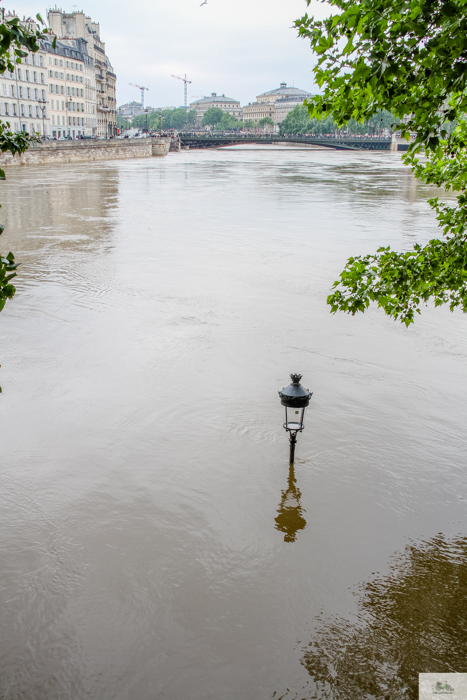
column 295, row 398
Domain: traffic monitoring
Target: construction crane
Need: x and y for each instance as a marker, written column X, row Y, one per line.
column 187, row 82
column 142, row 92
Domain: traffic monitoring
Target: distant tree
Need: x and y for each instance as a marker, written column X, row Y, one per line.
column 297, row 121
column 228, row 121
column 249, row 124
column 212, row 116
column 178, row 119
column 265, row 121
column 191, row 117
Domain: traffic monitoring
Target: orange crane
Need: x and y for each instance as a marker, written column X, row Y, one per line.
column 142, row 92
column 187, row 82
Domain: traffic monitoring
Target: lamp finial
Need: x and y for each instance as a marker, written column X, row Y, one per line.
column 295, row 378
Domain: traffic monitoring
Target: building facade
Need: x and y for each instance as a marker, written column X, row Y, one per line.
column 130, row 110
column 77, row 29
column 284, row 99
column 226, row 104
column 68, row 104
column 259, row 110
column 23, row 93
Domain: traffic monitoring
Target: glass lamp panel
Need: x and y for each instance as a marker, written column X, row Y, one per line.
column 294, row 418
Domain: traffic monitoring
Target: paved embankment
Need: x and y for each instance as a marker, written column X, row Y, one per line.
column 88, row 150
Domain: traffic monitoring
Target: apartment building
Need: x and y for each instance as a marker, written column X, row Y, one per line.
column 23, row 94
column 75, row 26
column 66, row 76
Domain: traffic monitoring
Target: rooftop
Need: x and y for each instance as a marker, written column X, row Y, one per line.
column 285, row 92
column 214, row 97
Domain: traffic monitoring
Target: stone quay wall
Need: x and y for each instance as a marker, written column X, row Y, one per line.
column 87, row 150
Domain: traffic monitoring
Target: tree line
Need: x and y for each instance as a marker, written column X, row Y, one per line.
column 298, row 121
column 181, row 119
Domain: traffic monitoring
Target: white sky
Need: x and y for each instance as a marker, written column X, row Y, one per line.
column 239, row 48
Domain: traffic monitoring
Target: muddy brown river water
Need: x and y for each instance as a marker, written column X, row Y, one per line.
column 153, row 543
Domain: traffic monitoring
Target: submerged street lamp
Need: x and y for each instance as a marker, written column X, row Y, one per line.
column 295, row 398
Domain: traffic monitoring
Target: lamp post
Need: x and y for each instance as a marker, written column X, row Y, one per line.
column 295, row 398
column 42, row 106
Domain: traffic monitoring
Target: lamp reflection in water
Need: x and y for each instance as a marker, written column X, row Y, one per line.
column 290, row 519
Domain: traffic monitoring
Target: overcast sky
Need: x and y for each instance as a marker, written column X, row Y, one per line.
column 240, row 48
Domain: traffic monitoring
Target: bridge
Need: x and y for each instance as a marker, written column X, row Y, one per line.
column 350, row 143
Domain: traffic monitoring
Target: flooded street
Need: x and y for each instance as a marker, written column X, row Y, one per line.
column 153, row 543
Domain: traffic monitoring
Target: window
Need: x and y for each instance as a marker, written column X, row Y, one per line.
column 30, row 111
column 41, row 60
column 20, row 92
column 35, row 76
column 50, row 60
column 19, row 73
column 61, row 76
column 42, row 78
column 63, row 105
column 4, row 89
column 51, row 104
column 63, row 121
column 26, row 72
column 53, row 120
column 43, row 95
column 61, row 62
column 55, row 61
column 21, row 110
column 12, row 90
column 62, row 92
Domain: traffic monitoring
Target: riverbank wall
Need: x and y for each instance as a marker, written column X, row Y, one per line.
column 87, row 150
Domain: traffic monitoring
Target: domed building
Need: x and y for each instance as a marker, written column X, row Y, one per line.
column 283, row 93
column 226, row 104
column 275, row 104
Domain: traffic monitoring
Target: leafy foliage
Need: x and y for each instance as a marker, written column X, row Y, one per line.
column 410, row 58
column 7, row 272
column 166, row 119
column 265, row 121
column 228, row 121
column 212, row 116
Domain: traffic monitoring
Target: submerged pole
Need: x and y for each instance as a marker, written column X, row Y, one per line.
column 293, row 442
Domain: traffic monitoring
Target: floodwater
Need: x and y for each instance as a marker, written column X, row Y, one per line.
column 154, row 544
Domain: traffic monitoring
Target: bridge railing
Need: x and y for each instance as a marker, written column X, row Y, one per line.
column 285, row 137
